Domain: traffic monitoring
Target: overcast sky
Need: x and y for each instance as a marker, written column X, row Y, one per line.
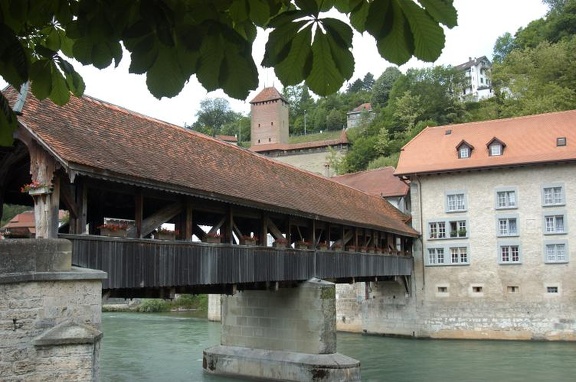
column 480, row 22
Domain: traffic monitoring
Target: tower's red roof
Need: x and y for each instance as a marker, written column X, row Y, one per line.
column 268, row 94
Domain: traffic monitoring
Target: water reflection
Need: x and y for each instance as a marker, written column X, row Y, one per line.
column 168, row 347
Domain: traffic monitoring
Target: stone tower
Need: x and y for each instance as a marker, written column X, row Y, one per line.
column 269, row 111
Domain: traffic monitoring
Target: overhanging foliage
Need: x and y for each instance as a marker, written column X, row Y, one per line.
column 171, row 40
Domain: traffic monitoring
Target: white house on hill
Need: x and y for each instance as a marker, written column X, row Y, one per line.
column 477, row 72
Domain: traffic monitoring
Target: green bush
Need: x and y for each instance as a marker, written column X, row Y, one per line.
column 190, row 301
column 153, row 306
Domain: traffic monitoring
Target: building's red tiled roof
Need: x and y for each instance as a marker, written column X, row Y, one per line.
column 342, row 140
column 379, row 182
column 364, row 107
column 22, row 220
column 268, row 94
column 529, row 140
column 97, row 139
column 227, row 138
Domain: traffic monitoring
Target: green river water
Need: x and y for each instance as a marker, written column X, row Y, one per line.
column 168, row 347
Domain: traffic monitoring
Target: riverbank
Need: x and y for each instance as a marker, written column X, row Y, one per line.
column 182, row 303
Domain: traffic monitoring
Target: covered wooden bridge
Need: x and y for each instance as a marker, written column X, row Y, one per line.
column 113, row 169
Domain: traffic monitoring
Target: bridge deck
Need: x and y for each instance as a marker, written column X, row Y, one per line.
column 139, row 267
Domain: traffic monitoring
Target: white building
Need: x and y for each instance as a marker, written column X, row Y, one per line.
column 360, row 115
column 494, row 203
column 477, row 72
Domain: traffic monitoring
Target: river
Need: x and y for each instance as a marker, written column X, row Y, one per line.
column 168, row 347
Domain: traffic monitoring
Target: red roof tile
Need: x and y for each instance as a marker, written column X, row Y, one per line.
column 22, row 220
column 227, row 138
column 94, row 138
column 378, row 182
column 268, row 94
column 364, row 107
column 527, row 140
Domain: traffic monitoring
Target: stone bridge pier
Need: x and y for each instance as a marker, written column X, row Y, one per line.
column 50, row 313
column 287, row 334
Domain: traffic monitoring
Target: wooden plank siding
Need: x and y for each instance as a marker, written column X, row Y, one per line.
column 142, row 264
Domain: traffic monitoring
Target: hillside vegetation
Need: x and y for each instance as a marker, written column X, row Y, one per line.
column 532, row 73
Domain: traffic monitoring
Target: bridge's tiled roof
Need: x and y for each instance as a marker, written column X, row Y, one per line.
column 528, row 140
column 97, row 139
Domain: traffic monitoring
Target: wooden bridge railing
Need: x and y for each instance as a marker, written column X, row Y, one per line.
column 193, row 267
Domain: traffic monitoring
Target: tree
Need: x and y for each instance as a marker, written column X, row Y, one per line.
column 438, row 88
column 213, row 114
column 538, row 80
column 368, row 81
column 171, row 40
column 502, row 48
column 335, row 120
column 364, row 85
column 383, row 85
column 356, row 86
column 239, row 127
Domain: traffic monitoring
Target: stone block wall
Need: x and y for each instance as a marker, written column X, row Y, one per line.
column 214, row 307
column 349, row 300
column 292, row 320
column 50, row 313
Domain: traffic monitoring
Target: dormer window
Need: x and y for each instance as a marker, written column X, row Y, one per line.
column 495, row 147
column 464, row 150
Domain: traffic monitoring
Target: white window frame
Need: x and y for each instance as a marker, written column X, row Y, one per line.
column 461, row 252
column 464, row 152
column 495, row 149
column 437, row 230
column 551, row 223
column 436, row 256
column 441, row 229
column 461, row 229
column 463, row 202
column 556, row 252
column 553, row 195
column 504, row 225
column 509, row 197
column 514, row 253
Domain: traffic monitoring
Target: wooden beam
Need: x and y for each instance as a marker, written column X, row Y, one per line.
column 188, row 225
column 347, row 236
column 139, row 212
column 273, row 229
column 69, row 200
column 154, row 221
column 82, row 201
column 229, row 227
column 199, row 232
